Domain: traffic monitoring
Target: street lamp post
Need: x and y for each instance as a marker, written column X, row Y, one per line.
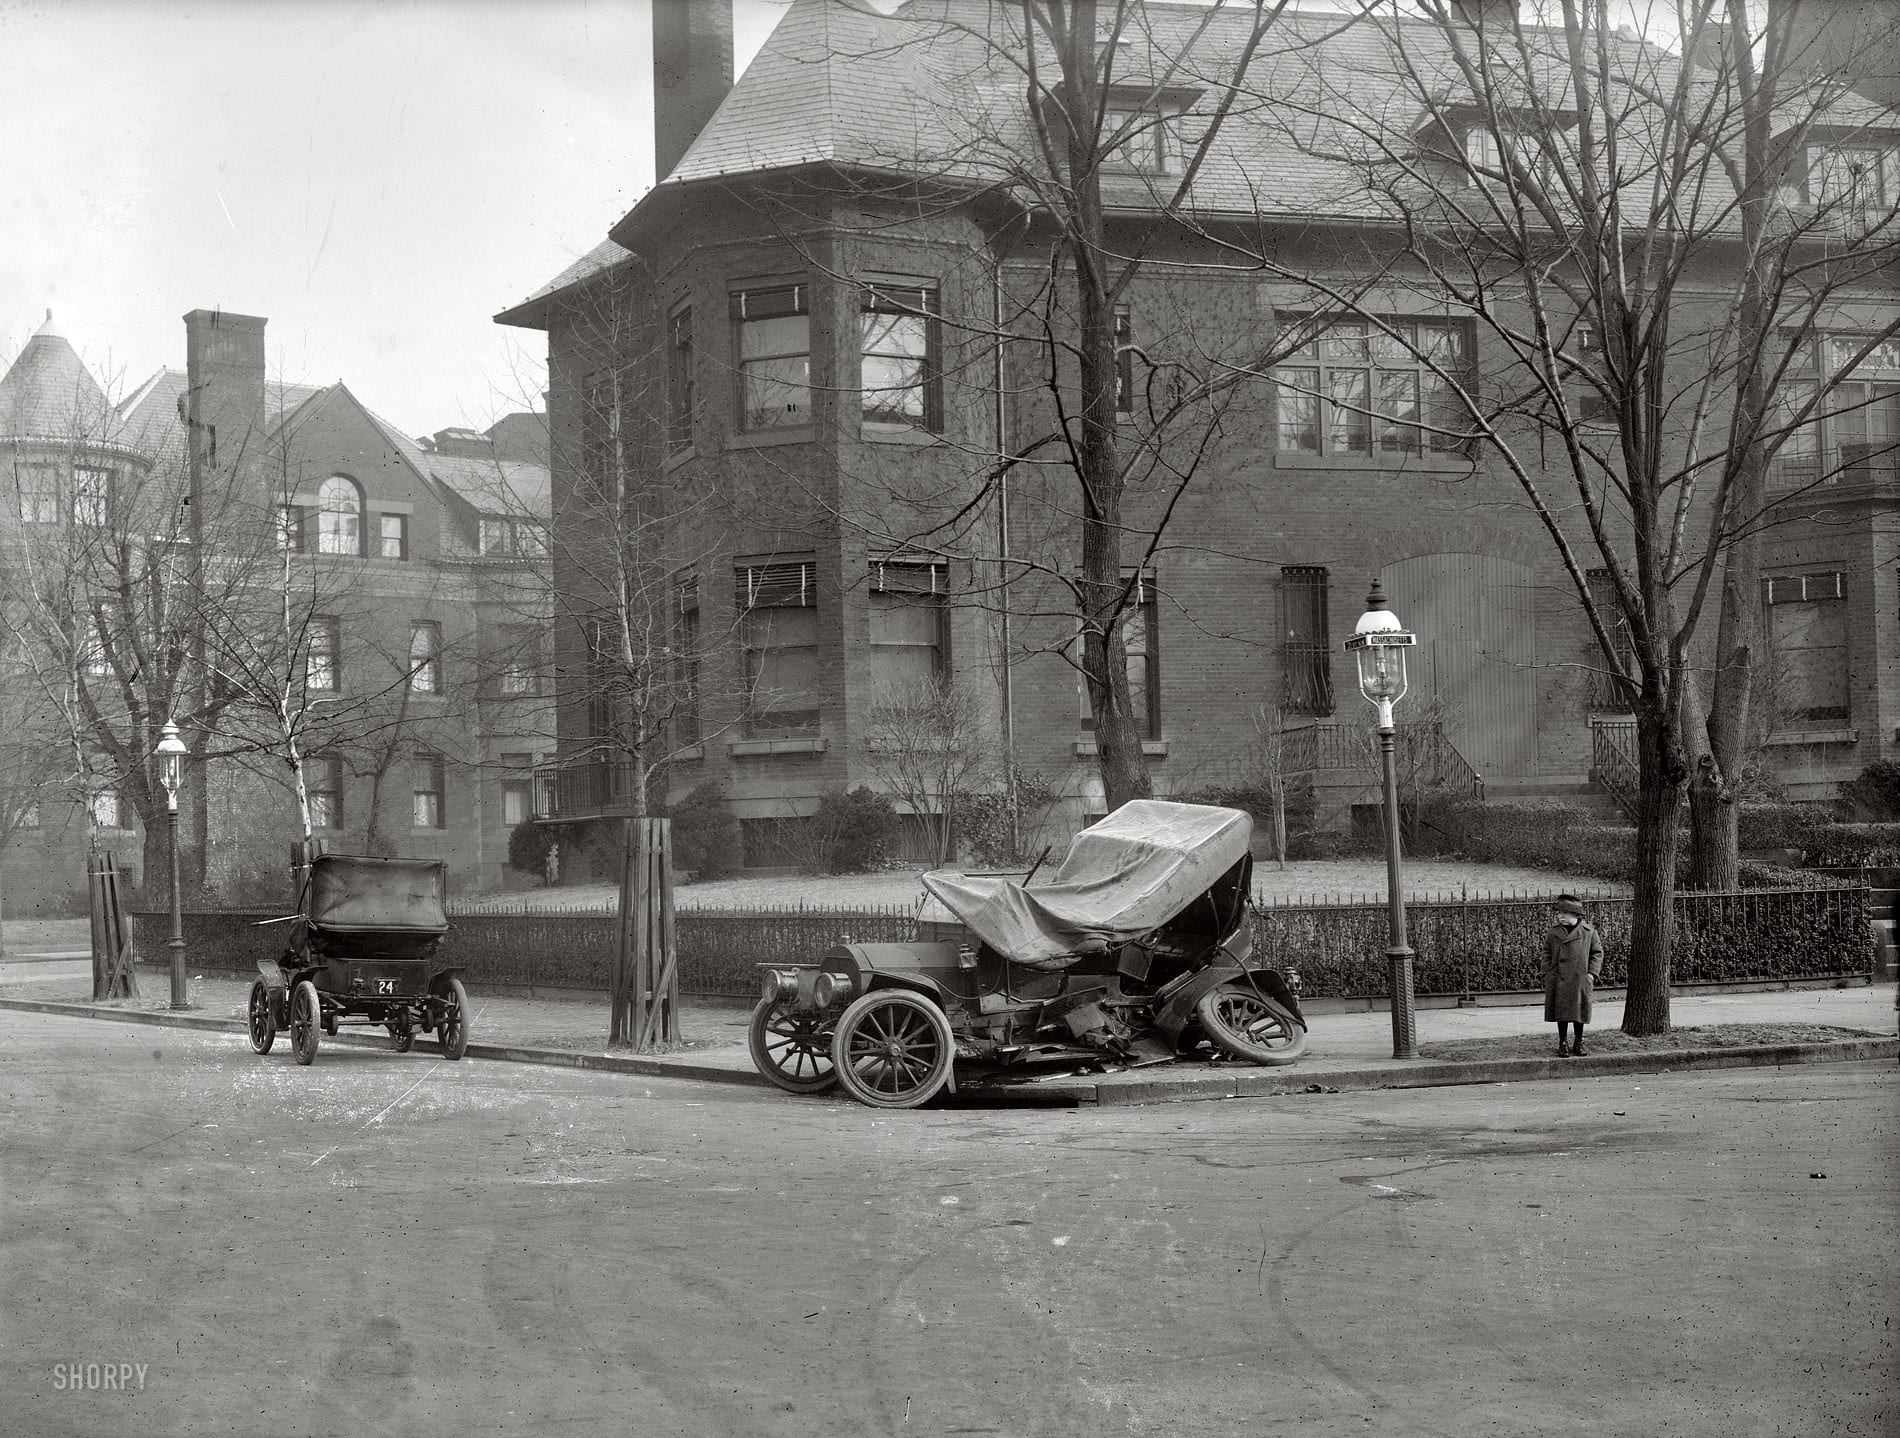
column 171, row 756
column 1379, row 643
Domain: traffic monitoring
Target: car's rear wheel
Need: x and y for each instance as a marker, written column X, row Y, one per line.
column 1247, row 1024
column 263, row 1023
column 306, row 1021
column 402, row 1034
column 454, row 1028
column 792, row 1049
column 893, row 1049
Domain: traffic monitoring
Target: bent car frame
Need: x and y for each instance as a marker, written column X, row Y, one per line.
column 1138, row 950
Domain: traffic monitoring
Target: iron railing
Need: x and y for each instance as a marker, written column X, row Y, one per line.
column 1613, row 762
column 1466, row 945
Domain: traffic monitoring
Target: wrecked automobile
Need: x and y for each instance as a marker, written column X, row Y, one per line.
column 1137, row 950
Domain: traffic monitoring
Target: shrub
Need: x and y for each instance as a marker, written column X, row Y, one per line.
column 706, row 838
column 852, row 832
column 983, row 828
column 1874, row 794
column 1256, row 799
column 1847, row 846
column 1756, row 875
column 528, row 846
column 1779, row 826
column 1539, row 837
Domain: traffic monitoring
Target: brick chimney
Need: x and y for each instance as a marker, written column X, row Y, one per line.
column 1499, row 16
column 223, row 406
column 692, row 71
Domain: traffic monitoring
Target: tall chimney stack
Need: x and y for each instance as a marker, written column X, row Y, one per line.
column 223, row 404
column 692, row 71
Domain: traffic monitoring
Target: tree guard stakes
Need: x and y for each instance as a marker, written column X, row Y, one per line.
column 1379, row 642
column 646, row 956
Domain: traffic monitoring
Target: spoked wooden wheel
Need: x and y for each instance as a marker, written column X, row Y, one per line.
column 263, row 1022
column 1249, row 1025
column 791, row 1049
column 306, row 1020
column 893, row 1049
column 402, row 1034
column 454, row 1029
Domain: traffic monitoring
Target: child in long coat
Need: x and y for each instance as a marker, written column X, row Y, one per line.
column 1573, row 957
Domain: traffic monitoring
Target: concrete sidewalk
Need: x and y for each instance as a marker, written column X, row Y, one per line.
column 1346, row 1050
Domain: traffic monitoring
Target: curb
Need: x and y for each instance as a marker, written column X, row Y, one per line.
column 502, row 1053
column 1193, row 1088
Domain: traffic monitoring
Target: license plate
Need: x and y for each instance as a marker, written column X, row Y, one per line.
column 385, row 986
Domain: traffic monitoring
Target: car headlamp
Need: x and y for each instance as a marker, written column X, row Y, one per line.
column 831, row 988
column 778, row 986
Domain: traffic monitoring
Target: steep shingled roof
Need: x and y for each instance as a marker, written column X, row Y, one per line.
column 49, row 394
column 937, row 90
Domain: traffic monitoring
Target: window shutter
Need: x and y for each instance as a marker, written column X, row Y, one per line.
column 899, row 575
column 777, row 586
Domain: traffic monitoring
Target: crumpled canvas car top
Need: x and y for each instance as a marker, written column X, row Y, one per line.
column 349, row 893
column 1122, row 878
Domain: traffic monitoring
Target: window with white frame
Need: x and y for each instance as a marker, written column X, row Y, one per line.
column 1358, row 390
column 323, row 783
column 339, row 516
column 323, row 658
column 508, row 537
column 1491, row 158
column 686, row 656
column 778, row 636
column 517, row 789
column 1141, row 640
column 909, row 624
column 290, row 527
column 1852, row 430
column 427, row 794
column 1136, row 137
column 1807, row 646
column 772, row 326
column 37, row 489
column 1859, row 183
column 600, row 435
column 392, row 536
column 898, row 339
column 1124, row 362
column 425, row 657
column 92, row 496
column 682, row 381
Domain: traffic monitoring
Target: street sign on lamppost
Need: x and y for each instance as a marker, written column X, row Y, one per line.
column 1379, row 643
column 171, row 760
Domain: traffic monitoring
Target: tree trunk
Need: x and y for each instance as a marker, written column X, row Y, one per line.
column 1653, row 915
column 1715, row 856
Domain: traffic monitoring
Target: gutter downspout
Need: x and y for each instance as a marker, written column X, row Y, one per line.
column 1002, row 539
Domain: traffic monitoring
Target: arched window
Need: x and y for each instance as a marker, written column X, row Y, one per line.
column 339, row 517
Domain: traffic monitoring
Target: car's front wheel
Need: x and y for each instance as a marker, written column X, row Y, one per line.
column 306, row 1021
column 1244, row 1022
column 893, row 1049
column 791, row 1049
column 263, row 1022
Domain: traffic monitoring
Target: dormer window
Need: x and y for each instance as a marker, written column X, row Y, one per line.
column 1859, row 182
column 1491, row 157
column 1136, row 138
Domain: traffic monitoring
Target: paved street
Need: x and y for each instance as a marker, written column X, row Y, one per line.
column 394, row 1244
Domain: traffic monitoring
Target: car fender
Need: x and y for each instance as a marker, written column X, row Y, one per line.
column 273, row 974
column 442, row 976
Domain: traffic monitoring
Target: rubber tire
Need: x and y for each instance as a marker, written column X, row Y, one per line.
column 403, row 1038
column 263, row 1024
column 306, row 1021
column 758, row 1033
column 454, row 1030
column 329, row 1024
column 1230, row 1032
column 909, row 1009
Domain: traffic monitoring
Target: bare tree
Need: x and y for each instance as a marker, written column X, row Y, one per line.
column 1614, row 212
column 928, row 746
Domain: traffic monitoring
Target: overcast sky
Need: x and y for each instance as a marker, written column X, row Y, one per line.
column 375, row 177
